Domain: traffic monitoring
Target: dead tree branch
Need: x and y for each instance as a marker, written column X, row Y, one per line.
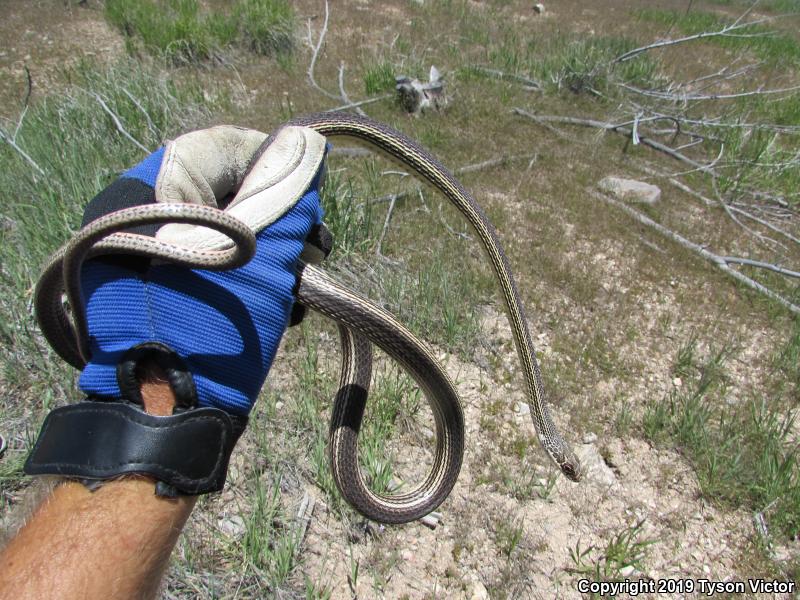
column 686, row 97
column 496, row 74
column 8, row 140
column 118, row 123
column 344, row 93
column 360, row 103
column 315, row 54
column 618, row 128
column 761, row 265
column 719, row 261
column 726, row 31
column 708, row 202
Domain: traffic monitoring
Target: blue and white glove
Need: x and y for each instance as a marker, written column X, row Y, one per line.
column 214, row 333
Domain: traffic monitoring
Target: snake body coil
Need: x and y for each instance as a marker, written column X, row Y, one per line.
column 360, row 320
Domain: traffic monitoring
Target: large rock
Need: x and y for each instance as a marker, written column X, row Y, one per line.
column 630, row 190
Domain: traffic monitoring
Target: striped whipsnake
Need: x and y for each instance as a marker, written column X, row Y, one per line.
column 360, row 321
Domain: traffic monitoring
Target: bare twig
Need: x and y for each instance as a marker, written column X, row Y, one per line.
column 117, row 122
column 138, row 105
column 315, row 55
column 527, row 81
column 718, row 261
column 389, row 212
column 724, row 32
column 344, row 93
column 7, row 139
column 25, row 101
column 359, row 103
column 762, row 238
column 687, row 97
column 761, row 265
column 618, row 129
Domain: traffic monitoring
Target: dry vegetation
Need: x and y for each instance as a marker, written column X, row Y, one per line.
column 678, row 384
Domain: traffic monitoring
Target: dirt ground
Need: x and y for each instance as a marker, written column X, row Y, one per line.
column 495, row 541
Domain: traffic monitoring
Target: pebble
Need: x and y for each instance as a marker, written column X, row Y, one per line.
column 627, row 571
column 232, row 526
column 479, row 592
column 590, row 438
column 522, row 408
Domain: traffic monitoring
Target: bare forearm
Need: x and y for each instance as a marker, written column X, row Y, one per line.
column 114, row 542
column 111, row 543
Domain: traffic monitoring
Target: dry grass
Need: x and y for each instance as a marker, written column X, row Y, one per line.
column 612, row 307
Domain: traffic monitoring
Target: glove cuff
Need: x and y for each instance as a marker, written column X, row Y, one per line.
column 188, row 451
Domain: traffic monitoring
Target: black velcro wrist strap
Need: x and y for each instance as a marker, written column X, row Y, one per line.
column 100, row 440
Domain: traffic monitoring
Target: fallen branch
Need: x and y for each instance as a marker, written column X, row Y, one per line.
column 686, row 97
column 621, row 129
column 761, row 265
column 7, row 139
column 531, row 83
column 389, row 212
column 344, row 93
column 724, row 32
column 708, row 202
column 117, row 123
column 360, row 103
column 315, row 54
column 717, row 260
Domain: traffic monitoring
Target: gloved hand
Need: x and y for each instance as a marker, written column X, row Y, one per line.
column 225, row 326
column 215, row 334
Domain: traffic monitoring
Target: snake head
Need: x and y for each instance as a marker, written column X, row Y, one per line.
column 569, row 463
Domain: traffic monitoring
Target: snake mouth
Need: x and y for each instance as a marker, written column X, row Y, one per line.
column 573, row 472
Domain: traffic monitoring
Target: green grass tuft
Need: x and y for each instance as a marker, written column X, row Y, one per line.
column 183, row 33
column 743, row 453
column 379, row 77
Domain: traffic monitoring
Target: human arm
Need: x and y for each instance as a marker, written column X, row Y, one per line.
column 114, row 542
column 214, row 333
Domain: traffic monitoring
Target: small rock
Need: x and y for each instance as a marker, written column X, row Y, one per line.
column 590, row 438
column 407, row 555
column 677, row 382
column 630, row 190
column 232, row 526
column 279, row 405
column 782, row 554
column 522, row 408
column 627, row 571
column 538, row 8
column 594, row 466
column 706, row 569
column 479, row 592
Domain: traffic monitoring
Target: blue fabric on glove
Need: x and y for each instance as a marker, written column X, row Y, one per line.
column 225, row 325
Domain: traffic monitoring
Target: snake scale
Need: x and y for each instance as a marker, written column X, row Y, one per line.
column 360, row 321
